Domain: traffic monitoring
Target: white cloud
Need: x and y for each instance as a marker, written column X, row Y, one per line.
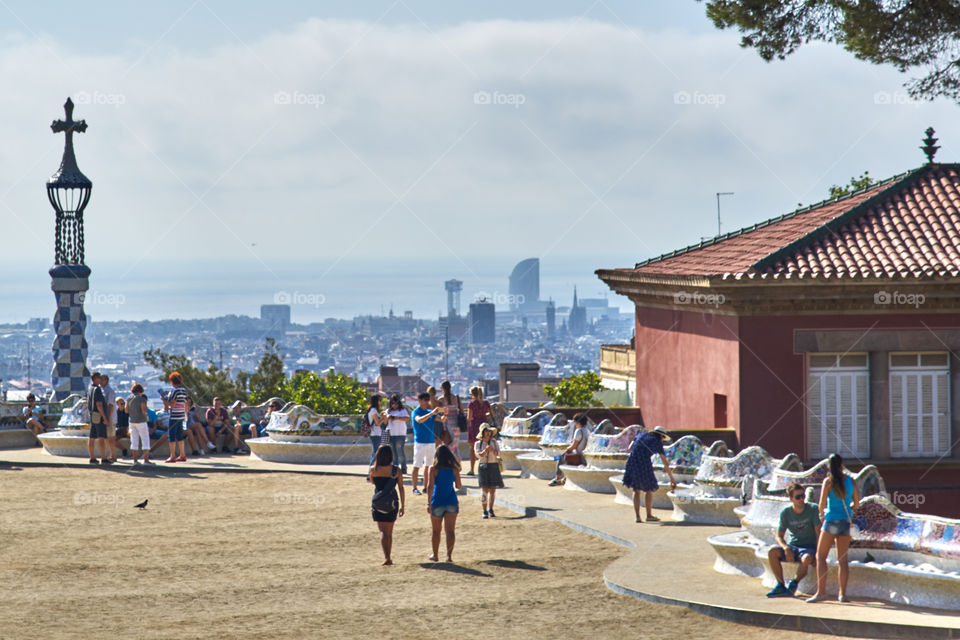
column 302, row 140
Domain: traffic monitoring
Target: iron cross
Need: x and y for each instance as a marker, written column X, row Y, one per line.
column 69, row 125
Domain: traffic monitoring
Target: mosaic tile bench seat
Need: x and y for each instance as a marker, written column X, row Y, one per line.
column 520, row 433
column 73, row 431
column 684, row 456
column 13, row 429
column 606, row 454
column 556, row 437
column 913, row 559
column 761, row 516
column 297, row 434
column 723, row 483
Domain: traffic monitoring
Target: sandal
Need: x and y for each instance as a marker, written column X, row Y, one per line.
column 653, row 519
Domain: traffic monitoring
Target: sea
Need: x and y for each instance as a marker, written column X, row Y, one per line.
column 315, row 290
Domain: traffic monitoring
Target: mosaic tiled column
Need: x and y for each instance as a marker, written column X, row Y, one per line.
column 70, row 373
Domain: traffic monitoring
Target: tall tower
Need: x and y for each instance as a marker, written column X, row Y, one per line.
column 524, row 284
column 68, row 191
column 578, row 318
column 551, row 321
column 453, row 287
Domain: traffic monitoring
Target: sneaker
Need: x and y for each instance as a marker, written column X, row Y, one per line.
column 202, row 452
column 555, row 483
column 211, row 446
column 792, row 587
column 106, row 461
column 136, row 463
column 816, row 598
column 94, row 461
column 492, row 514
column 150, row 462
column 194, row 453
column 843, row 599
column 235, row 450
column 416, row 492
column 778, row 591
column 486, row 514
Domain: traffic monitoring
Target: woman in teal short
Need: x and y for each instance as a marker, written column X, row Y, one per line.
column 839, row 497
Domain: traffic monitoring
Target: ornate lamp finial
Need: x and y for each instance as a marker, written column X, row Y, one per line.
column 930, row 145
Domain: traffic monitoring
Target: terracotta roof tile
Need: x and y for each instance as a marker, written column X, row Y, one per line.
column 908, row 226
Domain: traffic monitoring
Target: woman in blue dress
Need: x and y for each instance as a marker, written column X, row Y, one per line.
column 443, row 508
column 638, row 474
column 839, row 496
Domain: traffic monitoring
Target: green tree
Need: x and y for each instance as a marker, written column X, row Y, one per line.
column 575, row 391
column 856, row 184
column 907, row 35
column 332, row 394
column 204, row 386
column 268, row 380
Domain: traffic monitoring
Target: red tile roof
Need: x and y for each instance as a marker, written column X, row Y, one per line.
column 907, row 226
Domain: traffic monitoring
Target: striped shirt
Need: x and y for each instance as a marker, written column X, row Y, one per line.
column 178, row 401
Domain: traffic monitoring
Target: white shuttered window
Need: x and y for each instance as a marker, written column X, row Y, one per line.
column 919, row 404
column 838, row 405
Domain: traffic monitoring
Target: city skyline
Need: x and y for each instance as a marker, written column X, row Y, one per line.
column 251, row 151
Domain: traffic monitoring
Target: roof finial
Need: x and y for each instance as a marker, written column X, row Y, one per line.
column 930, row 145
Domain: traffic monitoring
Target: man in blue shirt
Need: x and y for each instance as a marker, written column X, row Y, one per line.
column 424, row 446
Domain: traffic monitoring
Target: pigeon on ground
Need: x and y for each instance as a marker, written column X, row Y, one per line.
column 142, row 505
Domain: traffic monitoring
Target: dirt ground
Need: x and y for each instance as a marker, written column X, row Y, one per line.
column 230, row 555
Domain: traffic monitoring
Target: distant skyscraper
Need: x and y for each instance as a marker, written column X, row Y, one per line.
column 551, row 321
column 578, row 318
column 453, row 287
column 525, row 283
column 483, row 322
column 277, row 317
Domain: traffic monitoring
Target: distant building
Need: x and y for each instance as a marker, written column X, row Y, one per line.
column 454, row 328
column 618, row 372
column 482, row 320
column 390, row 381
column 276, row 317
column 521, row 382
column 551, row 321
column 453, row 288
column 577, row 324
column 525, row 283
column 37, row 324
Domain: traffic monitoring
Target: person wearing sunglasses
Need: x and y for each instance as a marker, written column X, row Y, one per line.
column 801, row 522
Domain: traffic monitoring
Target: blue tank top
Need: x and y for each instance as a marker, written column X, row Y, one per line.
column 443, row 490
column 838, row 509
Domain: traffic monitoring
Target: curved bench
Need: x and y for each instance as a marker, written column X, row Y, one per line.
column 606, row 455
column 556, row 437
column 684, row 455
column 913, row 558
column 520, row 434
column 14, row 433
column 722, row 484
column 761, row 516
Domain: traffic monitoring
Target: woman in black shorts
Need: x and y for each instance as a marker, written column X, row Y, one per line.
column 386, row 479
column 488, row 454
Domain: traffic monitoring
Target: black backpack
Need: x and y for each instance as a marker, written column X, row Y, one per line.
column 385, row 500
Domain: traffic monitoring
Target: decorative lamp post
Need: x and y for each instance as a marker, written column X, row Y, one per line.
column 68, row 191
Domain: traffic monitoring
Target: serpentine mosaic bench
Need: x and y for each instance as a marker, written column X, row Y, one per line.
column 73, row 431
column 556, row 437
column 722, row 484
column 520, row 433
column 684, row 455
column 899, row 557
column 606, row 455
column 13, row 428
column 761, row 516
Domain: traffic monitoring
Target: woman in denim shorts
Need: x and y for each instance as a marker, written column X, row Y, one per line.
column 443, row 508
column 839, row 496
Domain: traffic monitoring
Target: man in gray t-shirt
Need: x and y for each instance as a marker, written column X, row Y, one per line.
column 801, row 522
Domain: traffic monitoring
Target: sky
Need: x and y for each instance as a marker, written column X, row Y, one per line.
column 353, row 156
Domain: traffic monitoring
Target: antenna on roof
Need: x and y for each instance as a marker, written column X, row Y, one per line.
column 930, row 145
column 721, row 193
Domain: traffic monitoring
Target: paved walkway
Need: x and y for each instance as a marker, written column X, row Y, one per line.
column 667, row 562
